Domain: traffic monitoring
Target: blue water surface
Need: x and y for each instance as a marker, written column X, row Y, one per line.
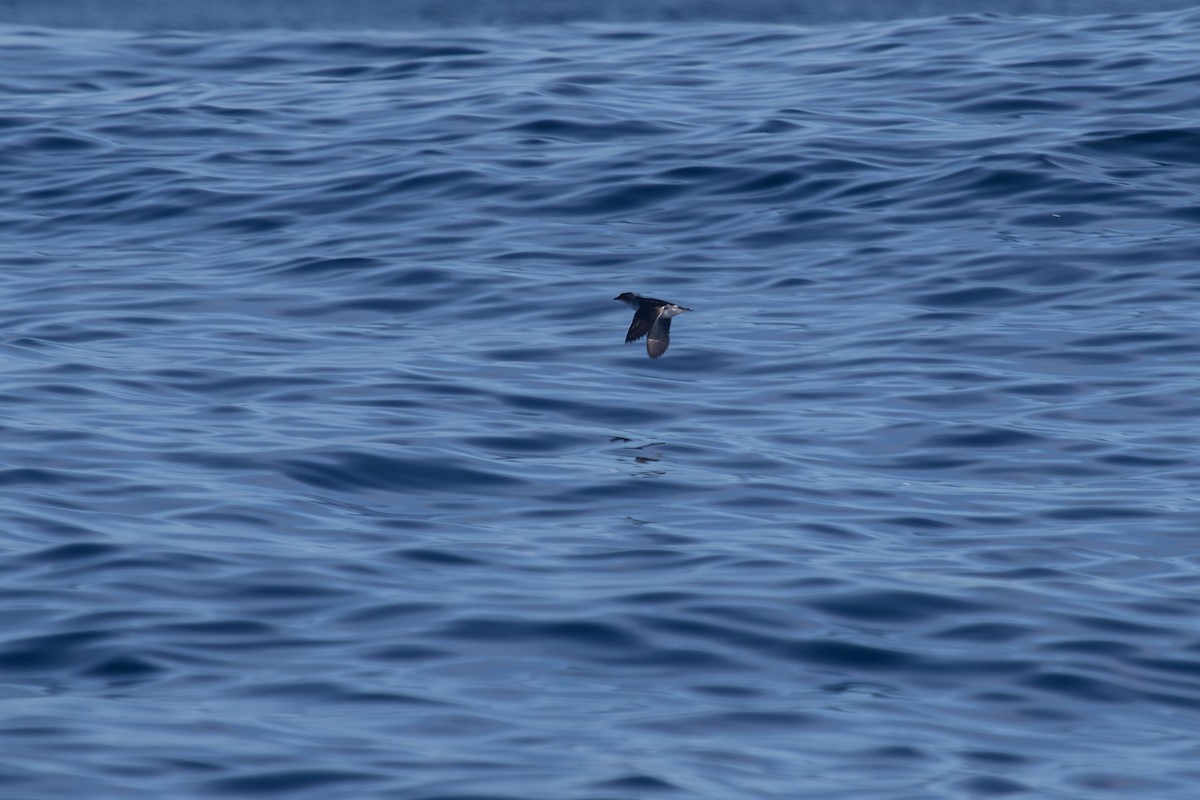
column 327, row 473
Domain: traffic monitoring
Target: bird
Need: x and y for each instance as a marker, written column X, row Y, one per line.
column 652, row 319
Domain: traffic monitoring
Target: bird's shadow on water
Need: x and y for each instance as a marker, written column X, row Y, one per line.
column 639, row 457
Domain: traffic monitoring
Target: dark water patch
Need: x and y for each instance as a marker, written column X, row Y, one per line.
column 847, row 655
column 74, row 552
column 44, row 526
column 1131, row 460
column 576, row 130
column 395, row 51
column 1118, row 626
column 434, row 557
column 975, row 437
column 1170, row 145
column 995, row 757
column 1024, row 574
column 386, row 613
column 529, row 444
column 123, row 668
column 57, row 143
column 43, row 477
column 328, row 692
column 1056, row 220
column 975, row 296
column 768, row 181
column 1080, row 687
column 284, row 587
column 897, row 753
column 606, row 201
column 730, row 722
column 255, row 224
column 351, row 471
column 289, row 782
column 1045, row 389
column 591, row 636
column 920, row 463
column 1013, row 106
column 326, row 266
column 223, row 629
column 642, row 556
column 638, row 783
column 1100, row 513
column 405, row 653
column 986, row 632
column 891, row 606
column 1186, row 668
column 40, row 654
column 991, row 786
column 1091, row 646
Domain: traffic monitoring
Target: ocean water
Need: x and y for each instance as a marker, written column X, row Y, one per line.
column 327, row 472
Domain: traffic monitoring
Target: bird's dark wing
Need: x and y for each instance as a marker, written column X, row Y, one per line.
column 659, row 338
column 643, row 318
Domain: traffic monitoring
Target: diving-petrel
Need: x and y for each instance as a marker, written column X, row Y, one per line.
column 651, row 317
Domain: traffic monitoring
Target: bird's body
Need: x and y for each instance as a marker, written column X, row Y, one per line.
column 652, row 319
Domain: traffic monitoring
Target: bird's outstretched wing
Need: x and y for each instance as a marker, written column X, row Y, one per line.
column 643, row 319
column 659, row 338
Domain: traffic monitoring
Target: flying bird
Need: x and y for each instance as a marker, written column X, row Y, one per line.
column 652, row 319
